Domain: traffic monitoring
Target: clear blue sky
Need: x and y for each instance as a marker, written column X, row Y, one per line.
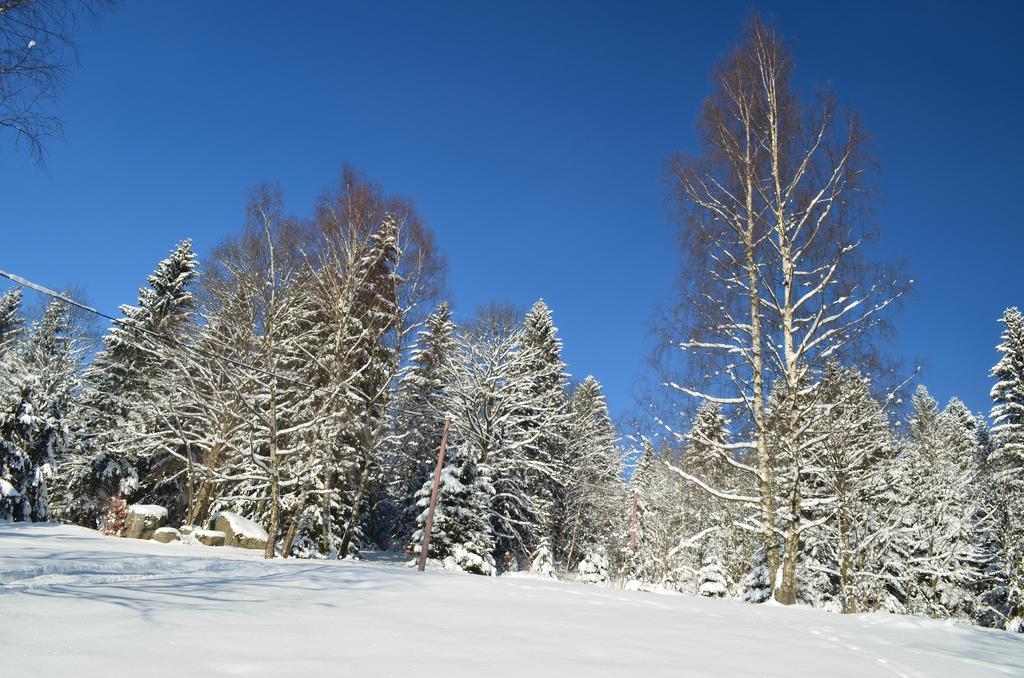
column 533, row 140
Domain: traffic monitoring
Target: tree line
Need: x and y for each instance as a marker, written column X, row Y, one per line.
column 301, row 377
column 797, row 480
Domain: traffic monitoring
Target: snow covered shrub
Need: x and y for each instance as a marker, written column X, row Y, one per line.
column 593, row 569
column 712, row 581
column 543, row 564
column 464, row 560
column 756, row 585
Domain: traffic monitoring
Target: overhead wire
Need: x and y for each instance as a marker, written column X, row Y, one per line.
column 42, row 289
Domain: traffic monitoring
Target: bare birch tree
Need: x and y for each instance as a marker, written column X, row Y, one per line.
column 774, row 250
column 36, row 50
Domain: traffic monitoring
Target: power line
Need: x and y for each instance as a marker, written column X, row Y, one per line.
column 23, row 282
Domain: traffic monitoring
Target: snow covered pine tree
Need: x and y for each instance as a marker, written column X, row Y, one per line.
column 1007, row 463
column 131, row 369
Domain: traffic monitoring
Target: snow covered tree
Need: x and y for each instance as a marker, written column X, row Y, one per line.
column 11, row 329
column 461, row 537
column 130, row 370
column 420, row 415
column 594, row 569
column 848, row 472
column 654, row 510
column 711, row 580
column 13, row 459
column 495, row 406
column 35, row 411
column 1006, row 466
column 1008, row 401
column 263, row 267
column 489, row 407
column 592, row 493
column 207, row 409
column 777, row 277
column 710, row 543
column 281, row 407
column 529, row 484
column 375, row 312
column 378, row 275
column 10, row 320
column 542, row 562
column 940, row 477
column 755, row 584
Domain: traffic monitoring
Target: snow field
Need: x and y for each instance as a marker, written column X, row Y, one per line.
column 71, row 598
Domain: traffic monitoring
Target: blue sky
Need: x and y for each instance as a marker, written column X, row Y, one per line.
column 533, row 139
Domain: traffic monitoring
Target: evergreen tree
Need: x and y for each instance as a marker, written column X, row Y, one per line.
column 594, row 569
column 461, row 536
column 420, row 417
column 639, row 556
column 542, row 562
column 711, row 579
column 375, row 312
column 12, row 457
column 654, row 527
column 1006, row 463
column 35, row 410
column 131, row 371
column 756, row 585
column 1008, row 402
column 592, row 491
column 528, row 486
column 10, row 320
column 711, row 548
column 940, row 476
column 849, row 470
column 494, row 407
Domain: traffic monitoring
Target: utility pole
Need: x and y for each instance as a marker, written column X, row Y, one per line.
column 429, row 525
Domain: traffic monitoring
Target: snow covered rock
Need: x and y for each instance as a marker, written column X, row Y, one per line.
column 187, row 529
column 239, row 531
column 210, row 537
column 165, row 535
column 464, row 560
column 143, row 521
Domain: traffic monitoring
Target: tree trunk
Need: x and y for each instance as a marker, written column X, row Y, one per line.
column 786, row 593
column 328, row 473
column 572, row 540
column 289, row 538
column 847, row 595
column 764, row 464
column 275, row 476
column 201, row 505
column 353, row 523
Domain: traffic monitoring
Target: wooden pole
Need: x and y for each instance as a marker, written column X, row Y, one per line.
column 429, row 525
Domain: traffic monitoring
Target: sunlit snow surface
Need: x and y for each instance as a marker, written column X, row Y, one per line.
column 76, row 603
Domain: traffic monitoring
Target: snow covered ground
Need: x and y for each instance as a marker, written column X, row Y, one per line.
column 73, row 602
